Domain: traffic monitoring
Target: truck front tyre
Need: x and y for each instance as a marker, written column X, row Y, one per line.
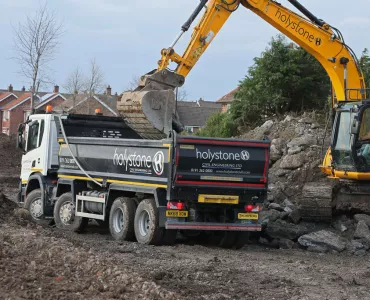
column 147, row 230
column 121, row 219
column 64, row 215
column 34, row 205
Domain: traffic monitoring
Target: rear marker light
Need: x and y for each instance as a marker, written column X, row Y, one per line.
column 175, row 205
column 252, row 208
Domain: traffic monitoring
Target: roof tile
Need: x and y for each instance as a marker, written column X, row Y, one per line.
column 16, row 101
column 229, row 97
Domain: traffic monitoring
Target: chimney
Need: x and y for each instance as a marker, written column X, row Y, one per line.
column 56, row 89
column 10, row 88
column 23, row 89
column 109, row 90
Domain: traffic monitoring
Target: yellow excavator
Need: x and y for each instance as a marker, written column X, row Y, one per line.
column 151, row 108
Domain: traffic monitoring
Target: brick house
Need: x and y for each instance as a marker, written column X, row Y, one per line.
column 18, row 109
column 226, row 100
column 86, row 105
column 194, row 114
column 54, row 99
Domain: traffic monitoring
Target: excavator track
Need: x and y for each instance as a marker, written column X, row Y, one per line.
column 321, row 200
column 316, row 202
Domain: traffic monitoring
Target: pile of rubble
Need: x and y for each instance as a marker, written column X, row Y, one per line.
column 298, row 146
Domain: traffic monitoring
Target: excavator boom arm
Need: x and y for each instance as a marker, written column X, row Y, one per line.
column 319, row 39
column 216, row 14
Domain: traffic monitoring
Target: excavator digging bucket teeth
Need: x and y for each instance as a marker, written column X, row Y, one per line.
column 150, row 113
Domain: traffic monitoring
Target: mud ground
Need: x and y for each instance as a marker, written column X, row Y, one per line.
column 44, row 263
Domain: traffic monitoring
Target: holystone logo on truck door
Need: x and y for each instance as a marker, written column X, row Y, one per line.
column 221, row 155
column 140, row 163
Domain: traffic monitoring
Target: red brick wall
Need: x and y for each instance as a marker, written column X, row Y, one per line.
column 6, row 101
column 5, row 124
column 224, row 107
column 88, row 108
column 55, row 102
column 16, row 116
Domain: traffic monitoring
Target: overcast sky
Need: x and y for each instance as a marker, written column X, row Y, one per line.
column 126, row 38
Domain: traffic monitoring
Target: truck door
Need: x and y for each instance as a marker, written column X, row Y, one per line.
column 34, row 160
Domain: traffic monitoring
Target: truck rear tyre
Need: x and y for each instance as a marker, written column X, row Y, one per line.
column 121, row 219
column 34, row 205
column 147, row 230
column 64, row 215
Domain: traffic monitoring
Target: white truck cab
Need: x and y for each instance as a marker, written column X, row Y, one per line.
column 40, row 146
column 37, row 137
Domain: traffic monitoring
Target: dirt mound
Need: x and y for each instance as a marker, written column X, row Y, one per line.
column 298, row 146
column 6, row 208
column 10, row 156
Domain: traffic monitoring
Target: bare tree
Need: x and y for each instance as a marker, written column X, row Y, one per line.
column 75, row 83
column 133, row 84
column 94, row 83
column 182, row 95
column 35, row 43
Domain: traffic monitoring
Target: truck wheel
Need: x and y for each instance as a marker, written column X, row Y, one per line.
column 34, row 205
column 64, row 215
column 147, row 230
column 121, row 219
column 241, row 239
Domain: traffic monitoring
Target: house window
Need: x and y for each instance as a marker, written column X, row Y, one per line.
column 5, row 115
column 228, row 107
column 189, row 129
column 26, row 115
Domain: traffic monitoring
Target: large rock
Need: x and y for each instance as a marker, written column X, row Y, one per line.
column 266, row 127
column 292, row 162
column 362, row 231
column 322, row 241
column 276, row 206
column 355, row 246
column 295, row 216
column 267, row 216
column 275, row 153
column 303, row 141
column 283, row 230
column 294, row 150
column 362, row 217
column 286, row 244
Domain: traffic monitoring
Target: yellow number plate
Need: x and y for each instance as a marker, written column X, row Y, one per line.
column 247, row 216
column 177, row 213
column 220, row 199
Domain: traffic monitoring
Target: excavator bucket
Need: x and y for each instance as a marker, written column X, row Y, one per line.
column 151, row 108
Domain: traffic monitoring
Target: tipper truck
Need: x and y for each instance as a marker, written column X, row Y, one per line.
column 81, row 167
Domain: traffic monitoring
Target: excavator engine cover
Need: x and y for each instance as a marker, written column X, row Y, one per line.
column 151, row 108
